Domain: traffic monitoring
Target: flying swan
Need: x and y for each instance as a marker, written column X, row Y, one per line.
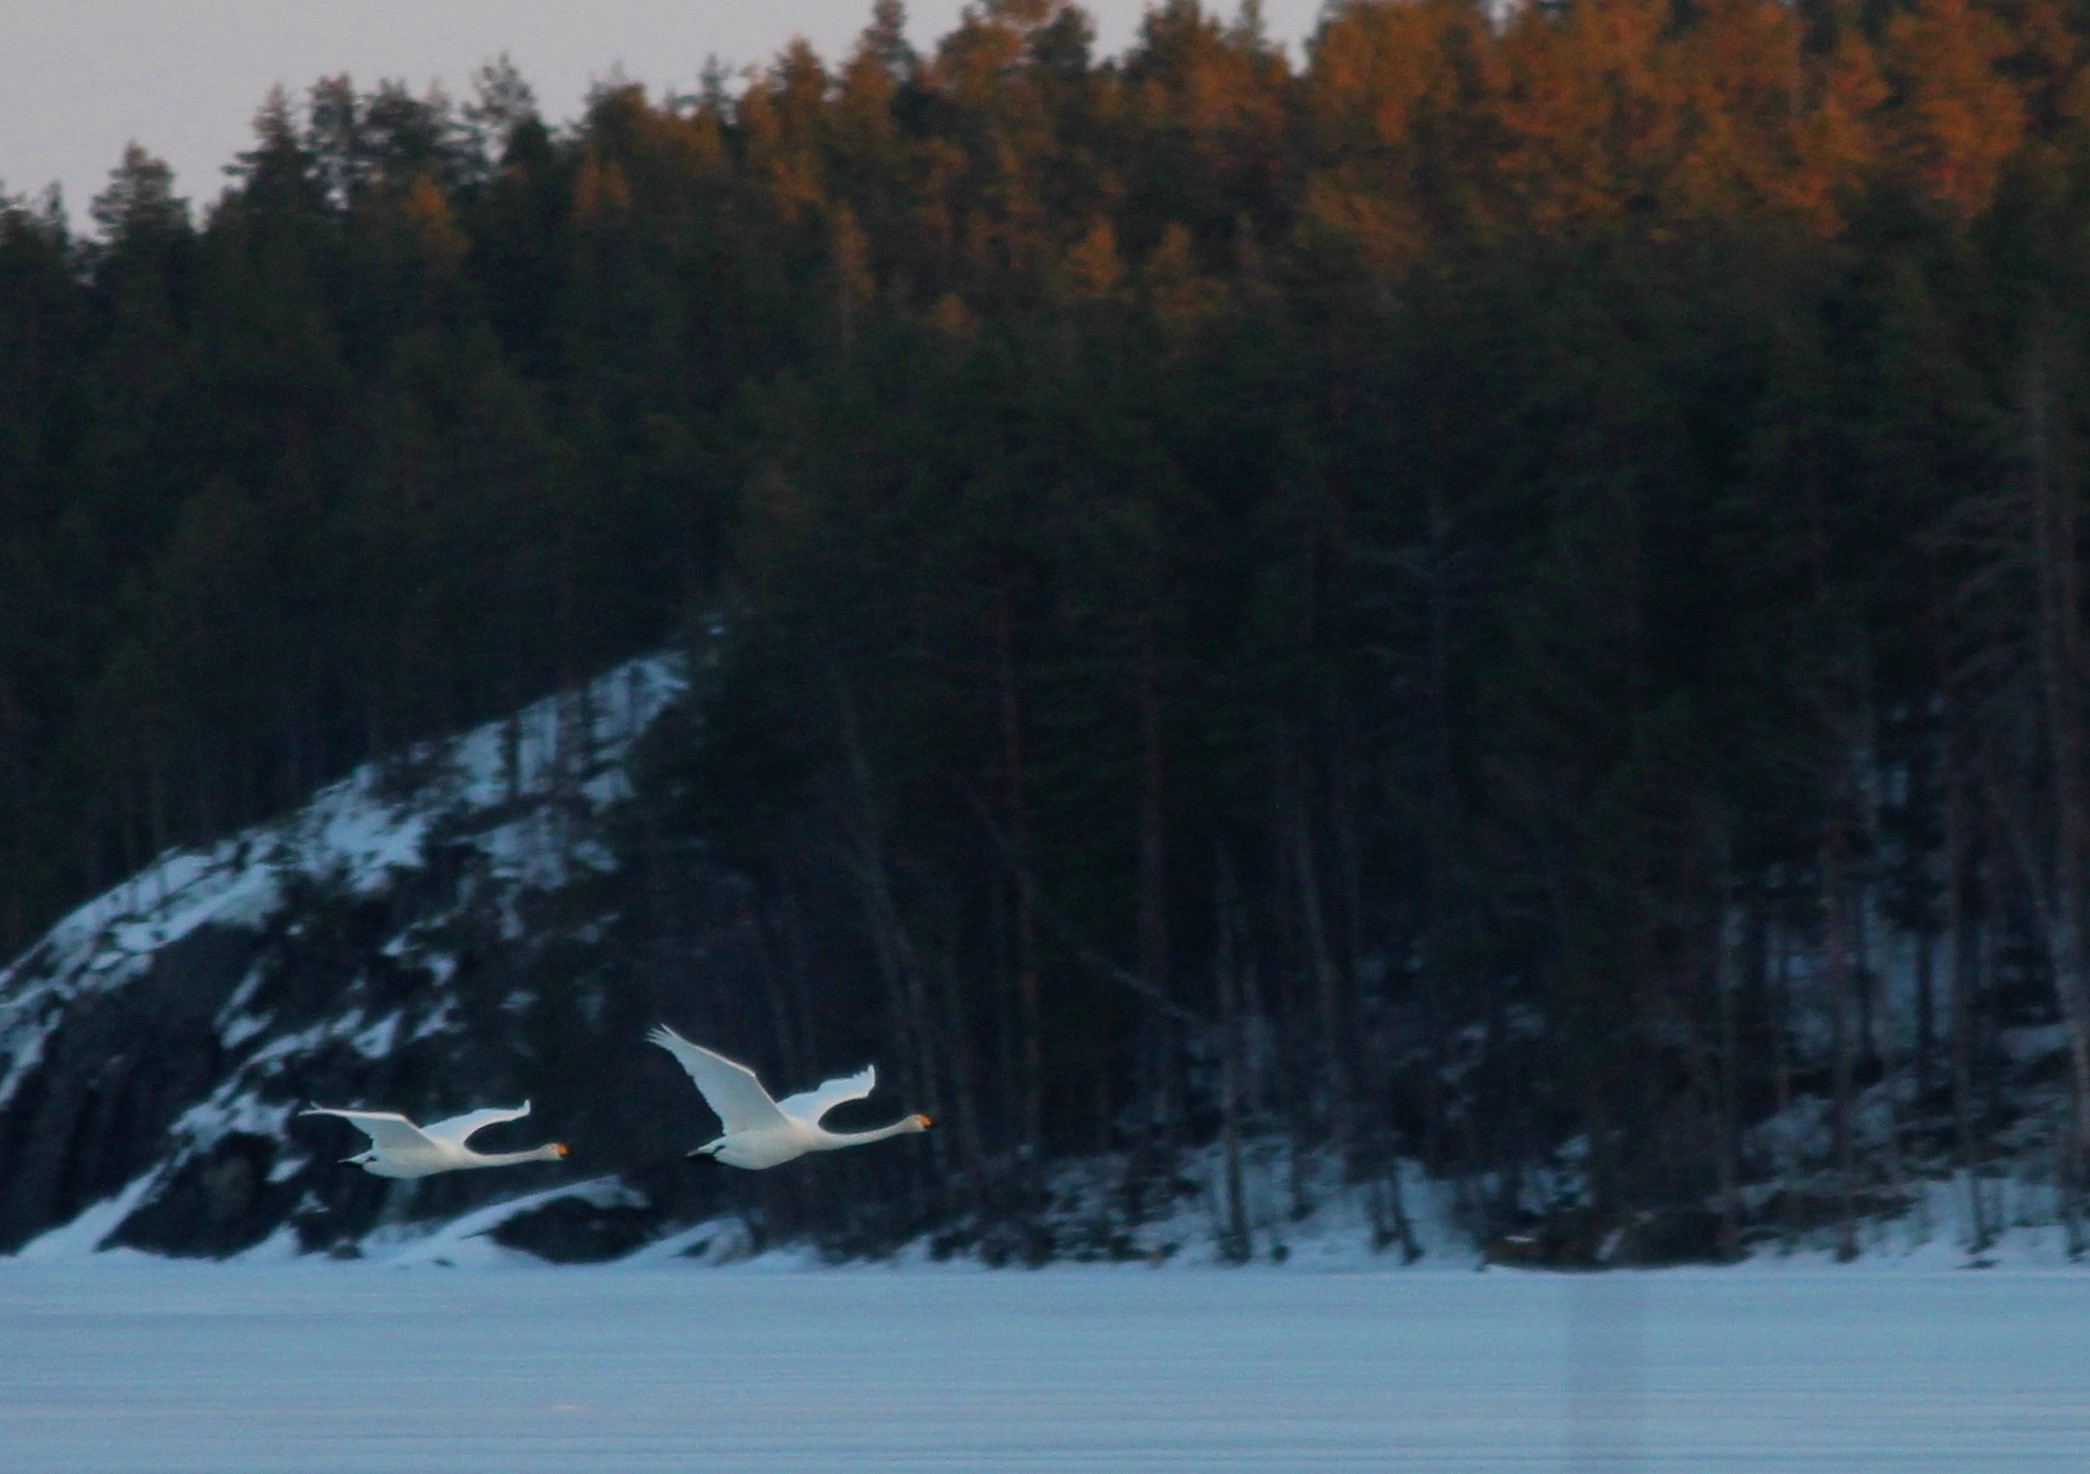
column 399, row 1148
column 760, row 1132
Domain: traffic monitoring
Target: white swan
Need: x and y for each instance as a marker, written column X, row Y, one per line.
column 760, row 1132
column 399, row 1148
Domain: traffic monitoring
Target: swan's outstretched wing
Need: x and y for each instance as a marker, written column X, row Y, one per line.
column 728, row 1088
column 458, row 1129
column 811, row 1105
column 388, row 1130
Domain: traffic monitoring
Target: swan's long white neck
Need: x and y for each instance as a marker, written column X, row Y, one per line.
column 547, row 1153
column 835, row 1140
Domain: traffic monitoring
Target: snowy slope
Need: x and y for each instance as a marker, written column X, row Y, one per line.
column 155, row 1044
column 474, row 924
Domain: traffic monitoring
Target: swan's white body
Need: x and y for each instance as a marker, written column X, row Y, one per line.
column 760, row 1132
column 399, row 1148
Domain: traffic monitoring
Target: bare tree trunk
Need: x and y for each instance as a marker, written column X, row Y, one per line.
column 964, row 1082
column 1958, row 928
column 1729, row 1122
column 1292, row 1071
column 1836, row 944
column 1153, row 889
column 1926, row 1012
column 1328, row 984
column 1031, row 1117
column 1253, row 1015
column 156, row 799
column 1921, row 782
column 1008, row 1043
column 1226, row 924
column 1780, row 1015
column 1440, row 808
column 1869, row 1049
column 1372, row 1145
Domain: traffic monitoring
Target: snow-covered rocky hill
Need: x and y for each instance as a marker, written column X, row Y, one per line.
column 417, row 937
column 479, row 922
column 500, row 916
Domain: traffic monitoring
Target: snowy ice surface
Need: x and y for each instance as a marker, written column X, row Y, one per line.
column 136, row 1365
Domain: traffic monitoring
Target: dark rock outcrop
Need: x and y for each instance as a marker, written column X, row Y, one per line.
column 478, row 926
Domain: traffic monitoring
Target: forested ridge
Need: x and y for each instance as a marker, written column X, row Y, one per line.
column 1508, row 594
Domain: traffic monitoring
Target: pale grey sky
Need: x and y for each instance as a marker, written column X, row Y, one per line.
column 81, row 78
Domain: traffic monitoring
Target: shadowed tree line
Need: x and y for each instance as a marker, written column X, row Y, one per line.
column 1506, row 594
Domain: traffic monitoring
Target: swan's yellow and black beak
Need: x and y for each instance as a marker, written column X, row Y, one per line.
column 559, row 1148
column 924, row 1122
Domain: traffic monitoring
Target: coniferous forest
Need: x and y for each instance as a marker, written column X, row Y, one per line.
column 1508, row 594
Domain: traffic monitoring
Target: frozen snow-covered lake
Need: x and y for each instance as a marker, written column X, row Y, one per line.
column 125, row 1366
